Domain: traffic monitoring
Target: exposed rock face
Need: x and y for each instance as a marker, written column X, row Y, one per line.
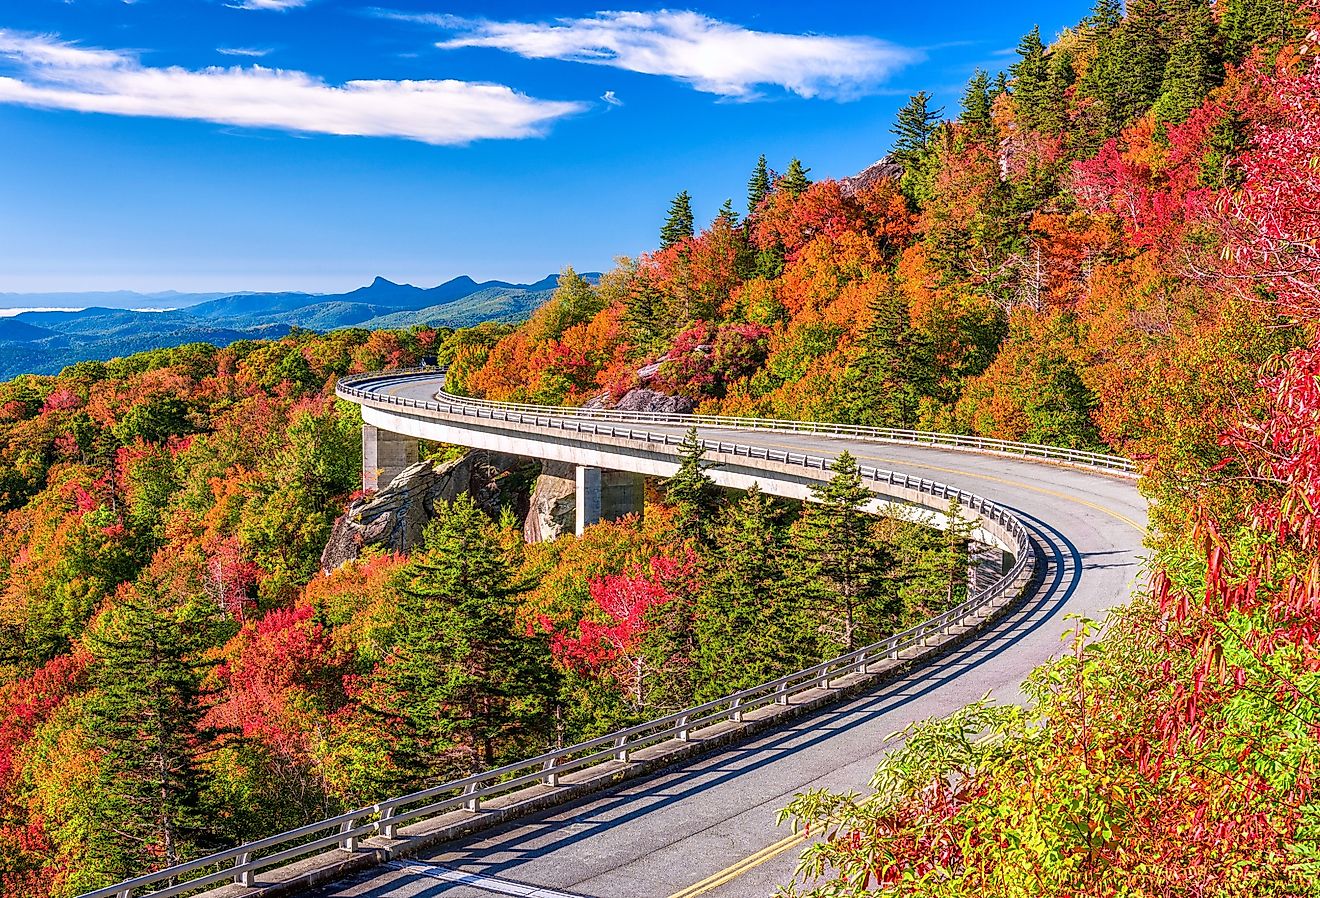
column 395, row 517
column 886, row 168
column 644, row 400
column 553, row 510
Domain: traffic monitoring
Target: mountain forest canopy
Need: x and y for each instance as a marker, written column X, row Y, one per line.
column 1112, row 246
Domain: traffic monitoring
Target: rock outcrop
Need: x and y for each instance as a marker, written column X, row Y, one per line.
column 553, row 507
column 887, row 168
column 395, row 517
column 644, row 400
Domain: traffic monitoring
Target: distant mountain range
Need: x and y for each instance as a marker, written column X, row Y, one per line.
column 60, row 329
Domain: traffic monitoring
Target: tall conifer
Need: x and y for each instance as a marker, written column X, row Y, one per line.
column 464, row 683
column 794, row 181
column 914, row 128
column 679, row 225
column 758, row 187
column 838, row 565
column 145, row 717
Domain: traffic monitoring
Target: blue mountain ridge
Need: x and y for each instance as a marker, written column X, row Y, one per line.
column 43, row 342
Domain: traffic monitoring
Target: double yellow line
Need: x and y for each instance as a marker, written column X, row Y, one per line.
column 732, row 872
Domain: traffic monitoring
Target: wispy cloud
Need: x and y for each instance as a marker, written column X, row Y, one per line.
column 44, row 72
column 280, row 5
column 242, row 51
column 609, row 97
column 713, row 56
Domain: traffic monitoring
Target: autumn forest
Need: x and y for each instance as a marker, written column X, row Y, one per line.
column 1111, row 245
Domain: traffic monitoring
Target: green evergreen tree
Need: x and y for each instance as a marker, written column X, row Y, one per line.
column 976, row 104
column 934, row 575
column 892, row 371
column 679, row 225
column 838, row 565
column 1269, row 24
column 1195, row 66
column 466, row 687
column 1001, row 86
column 1052, row 117
column 914, row 129
column 1031, row 81
column 759, row 186
column 145, row 718
column 794, row 181
column 695, row 497
column 749, row 628
column 644, row 314
column 727, row 214
column 1105, row 16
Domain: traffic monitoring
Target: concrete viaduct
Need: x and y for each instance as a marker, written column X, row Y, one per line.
column 685, row 805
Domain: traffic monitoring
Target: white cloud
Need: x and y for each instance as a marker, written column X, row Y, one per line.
column 51, row 74
column 610, row 97
column 241, row 51
column 713, row 56
column 280, row 5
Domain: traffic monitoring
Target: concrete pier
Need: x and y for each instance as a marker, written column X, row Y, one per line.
column 384, row 455
column 607, row 495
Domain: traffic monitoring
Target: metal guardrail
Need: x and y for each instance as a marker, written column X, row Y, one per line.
column 241, row 864
column 350, row 386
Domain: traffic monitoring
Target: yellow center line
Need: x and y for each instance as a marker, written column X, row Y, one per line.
column 733, row 871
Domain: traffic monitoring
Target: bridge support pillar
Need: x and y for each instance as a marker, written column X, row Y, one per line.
column 384, row 455
column 607, row 495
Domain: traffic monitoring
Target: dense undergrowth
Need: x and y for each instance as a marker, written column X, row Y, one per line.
column 1113, row 246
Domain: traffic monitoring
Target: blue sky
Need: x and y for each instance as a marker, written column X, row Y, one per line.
column 314, row 144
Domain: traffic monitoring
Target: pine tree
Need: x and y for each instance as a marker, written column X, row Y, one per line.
column 727, row 214
column 644, row 314
column 884, row 384
column 1194, row 67
column 1031, row 81
column 914, row 129
column 976, row 105
column 1269, row 24
column 1134, row 62
column 1052, row 117
column 695, row 497
column 145, row 717
column 679, row 225
column 838, row 565
column 758, row 187
column 743, row 611
column 465, row 686
column 934, row 575
column 1105, row 16
column 794, row 181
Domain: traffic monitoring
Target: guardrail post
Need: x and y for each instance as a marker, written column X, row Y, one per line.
column 737, row 713
column 683, row 732
column 242, row 877
column 861, row 663
column 551, row 777
column 781, row 694
column 387, row 825
column 621, row 748
column 348, row 843
column 473, row 803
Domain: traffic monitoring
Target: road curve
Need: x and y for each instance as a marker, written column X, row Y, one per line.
column 707, row 827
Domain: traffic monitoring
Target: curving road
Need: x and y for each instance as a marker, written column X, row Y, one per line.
column 707, row 827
